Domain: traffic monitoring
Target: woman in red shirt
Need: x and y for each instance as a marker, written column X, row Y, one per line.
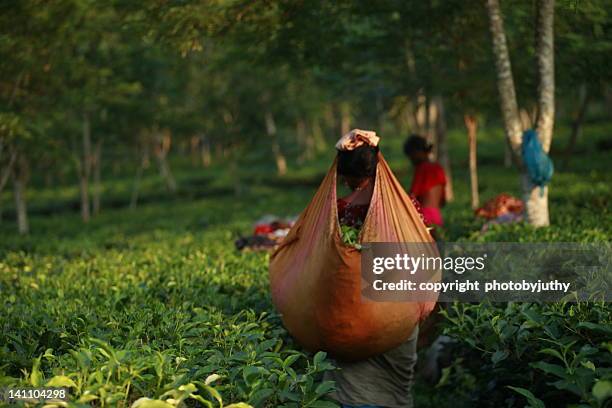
column 428, row 181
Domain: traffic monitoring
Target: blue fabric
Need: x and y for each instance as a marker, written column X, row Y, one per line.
column 539, row 166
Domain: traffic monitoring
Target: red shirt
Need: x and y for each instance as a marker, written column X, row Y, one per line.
column 427, row 175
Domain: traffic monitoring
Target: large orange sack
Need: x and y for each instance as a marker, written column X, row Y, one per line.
column 316, row 280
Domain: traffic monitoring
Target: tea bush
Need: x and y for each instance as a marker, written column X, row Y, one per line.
column 168, row 317
column 550, row 354
column 155, row 308
column 559, row 353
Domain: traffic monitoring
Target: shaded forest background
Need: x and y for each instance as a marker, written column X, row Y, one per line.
column 91, row 91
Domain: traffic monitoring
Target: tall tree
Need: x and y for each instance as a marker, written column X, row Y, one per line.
column 471, row 124
column 536, row 199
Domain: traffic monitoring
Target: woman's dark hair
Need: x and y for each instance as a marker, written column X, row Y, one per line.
column 416, row 143
column 360, row 162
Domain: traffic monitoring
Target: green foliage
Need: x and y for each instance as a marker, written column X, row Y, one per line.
column 166, row 317
column 350, row 235
column 556, row 354
column 12, row 127
column 158, row 298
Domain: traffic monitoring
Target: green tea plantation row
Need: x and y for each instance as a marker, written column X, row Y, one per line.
column 155, row 308
column 171, row 319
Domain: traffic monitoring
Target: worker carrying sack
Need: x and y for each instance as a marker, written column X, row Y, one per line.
column 316, row 280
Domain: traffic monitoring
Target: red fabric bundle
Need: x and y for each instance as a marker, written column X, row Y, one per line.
column 500, row 205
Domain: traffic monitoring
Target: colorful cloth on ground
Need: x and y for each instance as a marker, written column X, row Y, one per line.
column 384, row 380
column 356, row 138
column 500, row 205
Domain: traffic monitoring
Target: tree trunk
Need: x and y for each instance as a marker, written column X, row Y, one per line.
column 536, row 202
column 441, row 143
column 330, row 121
column 536, row 198
column 85, row 169
column 97, row 178
column 576, row 123
column 317, row 136
column 218, row 152
column 20, row 178
column 6, row 174
column 205, row 151
column 163, row 141
column 7, row 171
column 430, row 119
column 305, row 140
column 526, row 121
column 420, row 115
column 410, row 117
column 281, row 162
column 505, row 82
column 471, row 125
column 144, row 163
column 194, row 149
column 546, row 72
